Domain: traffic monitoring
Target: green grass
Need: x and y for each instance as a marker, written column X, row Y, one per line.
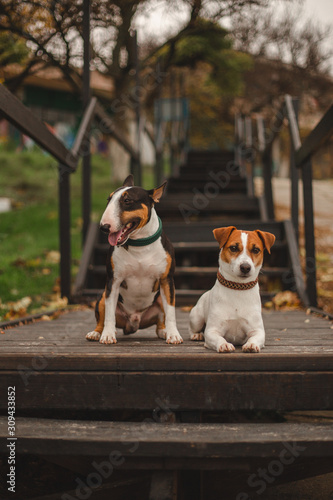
column 30, row 231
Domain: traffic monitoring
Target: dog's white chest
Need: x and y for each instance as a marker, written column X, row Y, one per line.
column 139, row 269
column 238, row 311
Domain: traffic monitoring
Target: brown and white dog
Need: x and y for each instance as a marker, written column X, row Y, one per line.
column 139, row 289
column 230, row 313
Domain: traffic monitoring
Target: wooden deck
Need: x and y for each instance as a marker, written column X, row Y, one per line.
column 54, row 366
column 173, row 412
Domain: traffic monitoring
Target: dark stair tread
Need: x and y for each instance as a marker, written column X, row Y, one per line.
column 203, row 178
column 201, row 230
column 186, row 297
column 219, row 153
column 201, row 204
column 196, row 270
column 226, row 197
column 183, row 296
column 196, row 246
column 211, row 245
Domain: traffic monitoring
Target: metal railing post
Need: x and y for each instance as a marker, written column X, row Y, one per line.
column 249, row 157
column 310, row 251
column 64, row 230
column 86, row 160
column 267, row 175
column 292, row 106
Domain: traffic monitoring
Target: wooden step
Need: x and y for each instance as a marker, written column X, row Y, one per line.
column 211, row 271
column 201, row 271
column 201, row 155
column 189, row 297
column 210, row 169
column 184, row 297
column 195, row 246
column 38, row 436
column 180, row 185
column 201, row 231
column 190, row 206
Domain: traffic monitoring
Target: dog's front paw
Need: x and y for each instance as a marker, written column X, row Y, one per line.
column 108, row 338
column 93, row 335
column 174, row 338
column 196, row 336
column 250, row 347
column 225, row 347
column 161, row 333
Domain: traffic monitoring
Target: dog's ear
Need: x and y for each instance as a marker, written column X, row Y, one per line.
column 267, row 239
column 222, row 234
column 129, row 181
column 157, row 193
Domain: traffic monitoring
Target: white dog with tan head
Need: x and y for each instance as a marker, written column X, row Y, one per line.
column 230, row 313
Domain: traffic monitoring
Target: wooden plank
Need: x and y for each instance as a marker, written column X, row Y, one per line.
column 150, row 439
column 224, row 390
column 225, row 203
column 76, row 337
column 157, row 346
column 19, row 115
column 202, row 231
column 116, row 489
column 163, row 486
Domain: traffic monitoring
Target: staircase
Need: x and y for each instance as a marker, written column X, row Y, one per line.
column 208, row 185
column 210, row 191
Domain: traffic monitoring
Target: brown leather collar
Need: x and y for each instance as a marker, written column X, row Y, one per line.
column 234, row 285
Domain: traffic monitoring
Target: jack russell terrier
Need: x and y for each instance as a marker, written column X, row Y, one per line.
column 139, row 289
column 230, row 313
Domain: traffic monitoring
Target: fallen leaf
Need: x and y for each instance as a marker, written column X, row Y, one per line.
column 53, row 257
column 286, row 300
column 45, row 317
column 19, row 262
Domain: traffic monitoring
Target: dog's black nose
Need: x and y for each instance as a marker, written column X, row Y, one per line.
column 105, row 228
column 245, row 268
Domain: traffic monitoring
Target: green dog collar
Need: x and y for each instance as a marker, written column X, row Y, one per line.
column 141, row 242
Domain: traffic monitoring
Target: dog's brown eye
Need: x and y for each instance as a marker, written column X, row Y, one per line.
column 233, row 248
column 255, row 250
column 127, row 201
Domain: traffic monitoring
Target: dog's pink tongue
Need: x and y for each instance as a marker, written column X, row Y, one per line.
column 113, row 238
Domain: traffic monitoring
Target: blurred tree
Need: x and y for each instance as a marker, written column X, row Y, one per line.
column 12, row 49
column 287, row 38
column 290, row 55
column 53, row 31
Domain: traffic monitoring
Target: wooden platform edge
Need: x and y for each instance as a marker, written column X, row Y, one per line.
column 150, row 439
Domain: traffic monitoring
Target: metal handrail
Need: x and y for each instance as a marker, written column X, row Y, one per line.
column 24, row 120
column 322, row 131
column 300, row 160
